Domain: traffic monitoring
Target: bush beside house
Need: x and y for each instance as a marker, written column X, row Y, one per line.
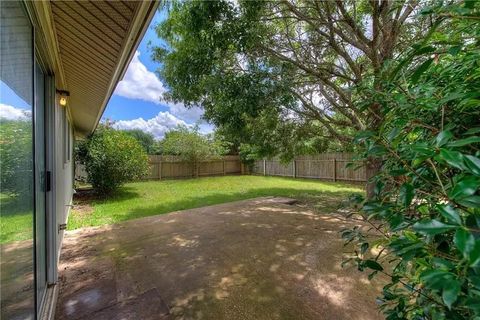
column 111, row 158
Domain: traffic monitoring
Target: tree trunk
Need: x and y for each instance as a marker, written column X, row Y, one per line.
column 374, row 166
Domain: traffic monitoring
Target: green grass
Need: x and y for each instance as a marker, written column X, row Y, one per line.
column 141, row 199
column 16, row 219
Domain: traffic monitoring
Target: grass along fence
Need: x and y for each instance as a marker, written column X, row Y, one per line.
column 326, row 166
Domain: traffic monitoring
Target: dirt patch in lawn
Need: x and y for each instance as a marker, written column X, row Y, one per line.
column 263, row 258
column 82, row 200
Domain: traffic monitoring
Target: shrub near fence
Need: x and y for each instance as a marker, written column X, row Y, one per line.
column 172, row 167
column 327, row 166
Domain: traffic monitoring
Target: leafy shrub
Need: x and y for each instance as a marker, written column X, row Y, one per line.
column 113, row 158
column 426, row 207
column 16, row 165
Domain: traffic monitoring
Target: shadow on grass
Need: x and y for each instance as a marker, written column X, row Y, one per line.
column 322, row 201
column 90, row 197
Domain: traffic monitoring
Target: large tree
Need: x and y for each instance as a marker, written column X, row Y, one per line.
column 146, row 140
column 192, row 146
column 295, row 60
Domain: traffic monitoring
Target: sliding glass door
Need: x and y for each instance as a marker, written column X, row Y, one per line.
column 23, row 183
column 17, row 263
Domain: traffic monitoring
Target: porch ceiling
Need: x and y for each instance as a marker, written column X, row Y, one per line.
column 96, row 40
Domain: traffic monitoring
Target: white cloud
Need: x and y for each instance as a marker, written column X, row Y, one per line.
column 140, row 83
column 11, row 113
column 158, row 126
column 143, row 84
column 191, row 115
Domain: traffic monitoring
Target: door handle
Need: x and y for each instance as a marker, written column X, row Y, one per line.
column 48, row 181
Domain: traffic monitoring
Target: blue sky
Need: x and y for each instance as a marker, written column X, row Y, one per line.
column 136, row 102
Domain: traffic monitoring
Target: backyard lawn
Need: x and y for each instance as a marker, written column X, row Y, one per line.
column 141, row 199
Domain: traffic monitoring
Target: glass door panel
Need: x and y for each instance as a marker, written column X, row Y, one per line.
column 40, row 185
column 17, row 296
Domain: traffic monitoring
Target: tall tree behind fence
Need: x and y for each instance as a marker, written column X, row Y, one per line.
column 326, row 166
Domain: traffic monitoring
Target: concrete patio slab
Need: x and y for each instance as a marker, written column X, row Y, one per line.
column 264, row 258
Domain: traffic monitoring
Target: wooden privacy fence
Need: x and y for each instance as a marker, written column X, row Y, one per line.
column 327, row 166
column 171, row 167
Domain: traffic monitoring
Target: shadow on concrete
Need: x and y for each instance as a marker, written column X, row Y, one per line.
column 255, row 259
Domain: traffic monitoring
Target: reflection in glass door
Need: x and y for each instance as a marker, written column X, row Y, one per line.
column 17, row 288
column 40, row 186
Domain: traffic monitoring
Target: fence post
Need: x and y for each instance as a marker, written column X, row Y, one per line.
column 160, row 170
column 294, row 168
column 335, row 169
column 264, row 167
column 223, row 166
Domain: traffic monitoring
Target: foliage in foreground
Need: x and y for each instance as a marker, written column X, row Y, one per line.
column 427, row 203
column 112, row 158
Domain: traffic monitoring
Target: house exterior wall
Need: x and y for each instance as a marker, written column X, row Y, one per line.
column 63, row 180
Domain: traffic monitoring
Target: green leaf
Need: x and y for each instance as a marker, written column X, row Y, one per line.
column 426, row 49
column 423, row 149
column 470, row 202
column 435, row 279
column 449, row 213
column 472, row 131
column 376, row 150
column 406, row 194
column 364, row 247
column 374, row 265
column 470, row 4
column 464, row 241
column 451, row 96
column 464, row 188
column 463, row 142
column 454, row 50
column 473, row 164
column 453, row 158
column 432, row 227
column 475, row 255
column 363, row 135
column 450, row 292
column 420, row 70
column 393, row 134
column 443, row 137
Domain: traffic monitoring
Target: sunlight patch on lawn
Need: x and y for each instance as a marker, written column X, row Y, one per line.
column 141, row 199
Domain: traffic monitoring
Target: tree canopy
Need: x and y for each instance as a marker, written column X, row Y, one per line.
column 284, row 63
column 192, row 146
column 146, row 140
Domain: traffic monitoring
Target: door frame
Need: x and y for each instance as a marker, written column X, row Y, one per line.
column 51, row 217
column 41, row 58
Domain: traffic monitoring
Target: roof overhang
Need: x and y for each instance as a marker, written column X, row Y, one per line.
column 90, row 44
